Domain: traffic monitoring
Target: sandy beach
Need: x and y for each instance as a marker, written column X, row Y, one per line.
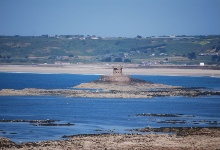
column 106, row 70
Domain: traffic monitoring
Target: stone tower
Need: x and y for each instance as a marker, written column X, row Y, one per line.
column 117, row 71
column 117, row 76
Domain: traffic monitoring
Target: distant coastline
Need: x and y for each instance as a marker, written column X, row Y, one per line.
column 100, row 69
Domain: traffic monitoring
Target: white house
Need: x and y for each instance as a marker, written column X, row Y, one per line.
column 201, row 64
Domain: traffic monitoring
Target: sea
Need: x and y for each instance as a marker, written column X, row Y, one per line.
column 101, row 115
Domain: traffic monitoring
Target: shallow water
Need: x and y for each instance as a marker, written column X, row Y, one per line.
column 43, row 81
column 95, row 115
column 185, row 81
column 63, row 81
column 91, row 115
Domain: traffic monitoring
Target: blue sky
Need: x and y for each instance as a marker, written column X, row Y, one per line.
column 125, row 18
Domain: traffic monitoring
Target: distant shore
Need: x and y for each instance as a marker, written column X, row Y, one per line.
column 107, row 70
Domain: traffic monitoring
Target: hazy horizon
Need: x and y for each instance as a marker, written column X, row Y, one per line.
column 85, row 36
column 122, row 18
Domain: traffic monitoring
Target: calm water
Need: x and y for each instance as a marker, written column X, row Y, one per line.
column 92, row 115
column 43, row 81
column 63, row 81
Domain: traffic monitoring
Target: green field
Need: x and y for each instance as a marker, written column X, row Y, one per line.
column 74, row 49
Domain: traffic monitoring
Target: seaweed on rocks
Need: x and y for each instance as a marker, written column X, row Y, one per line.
column 46, row 122
column 54, row 124
column 173, row 121
column 29, row 121
column 183, row 131
column 160, row 115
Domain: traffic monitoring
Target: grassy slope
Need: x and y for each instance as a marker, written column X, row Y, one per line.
column 19, row 49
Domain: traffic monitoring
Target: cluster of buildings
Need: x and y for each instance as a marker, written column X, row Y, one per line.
column 208, row 54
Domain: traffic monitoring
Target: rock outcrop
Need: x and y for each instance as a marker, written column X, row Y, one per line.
column 114, row 86
column 185, row 138
column 6, row 143
column 105, row 90
column 124, row 79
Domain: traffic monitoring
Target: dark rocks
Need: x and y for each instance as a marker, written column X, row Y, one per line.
column 133, row 89
column 6, row 143
column 54, row 124
column 173, row 121
column 46, row 122
column 187, row 119
column 43, row 121
column 13, row 133
column 206, row 122
column 160, row 115
column 184, row 131
column 29, row 121
column 212, row 130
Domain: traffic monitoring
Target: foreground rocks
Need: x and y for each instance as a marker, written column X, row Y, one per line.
column 203, row 138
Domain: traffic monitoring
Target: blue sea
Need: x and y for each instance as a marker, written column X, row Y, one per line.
column 100, row 115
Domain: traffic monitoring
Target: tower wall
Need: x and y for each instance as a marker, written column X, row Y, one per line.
column 105, row 78
column 117, row 71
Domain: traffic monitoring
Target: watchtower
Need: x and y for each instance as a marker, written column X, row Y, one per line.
column 117, row 71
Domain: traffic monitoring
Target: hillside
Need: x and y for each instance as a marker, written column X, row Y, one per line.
column 75, row 49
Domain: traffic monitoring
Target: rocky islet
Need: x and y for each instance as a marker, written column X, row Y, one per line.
column 135, row 88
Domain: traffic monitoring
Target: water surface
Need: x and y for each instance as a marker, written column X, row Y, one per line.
column 92, row 115
column 96, row 115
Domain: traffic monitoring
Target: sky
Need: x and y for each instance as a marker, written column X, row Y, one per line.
column 110, row 18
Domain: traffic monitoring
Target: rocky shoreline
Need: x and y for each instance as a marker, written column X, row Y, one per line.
column 97, row 89
column 184, row 138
